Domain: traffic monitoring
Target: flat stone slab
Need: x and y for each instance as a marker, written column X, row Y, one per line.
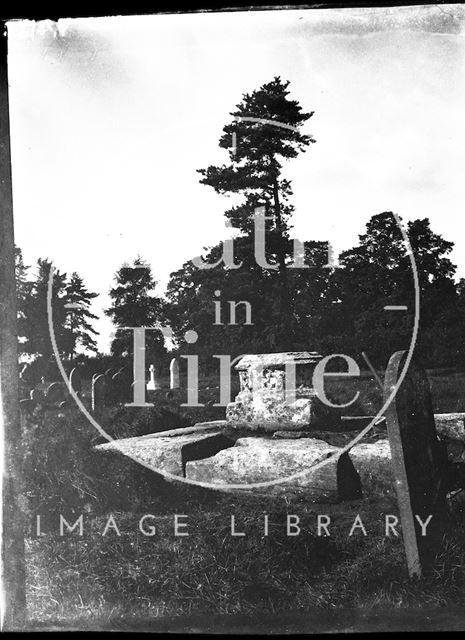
column 277, row 359
column 260, row 459
column 170, row 453
column 372, row 461
column 451, row 425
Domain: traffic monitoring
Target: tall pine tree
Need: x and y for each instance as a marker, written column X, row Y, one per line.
column 79, row 331
column 135, row 305
column 265, row 130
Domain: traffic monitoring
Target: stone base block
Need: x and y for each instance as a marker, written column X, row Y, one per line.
column 260, row 459
column 372, row 461
column 169, row 454
column 268, row 413
column 451, row 425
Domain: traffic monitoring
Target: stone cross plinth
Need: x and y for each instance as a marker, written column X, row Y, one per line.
column 277, row 393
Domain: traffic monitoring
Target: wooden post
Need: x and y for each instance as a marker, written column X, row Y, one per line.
column 13, row 565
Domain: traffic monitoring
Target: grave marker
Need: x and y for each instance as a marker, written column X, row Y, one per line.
column 153, row 384
column 27, row 406
column 98, row 392
column 120, row 387
column 418, row 458
column 174, row 374
column 55, row 393
column 75, row 380
column 25, row 373
column 37, row 395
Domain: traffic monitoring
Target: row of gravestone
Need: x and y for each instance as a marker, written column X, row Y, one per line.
column 107, row 388
column 45, row 396
column 112, row 387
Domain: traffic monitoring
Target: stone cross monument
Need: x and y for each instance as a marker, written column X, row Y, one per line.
column 277, row 393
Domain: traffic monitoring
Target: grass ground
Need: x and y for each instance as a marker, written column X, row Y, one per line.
column 209, row 571
column 115, row 579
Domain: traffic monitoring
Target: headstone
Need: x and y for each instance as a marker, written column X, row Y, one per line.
column 174, row 374
column 75, row 380
column 43, row 386
column 27, row 406
column 349, row 486
column 98, row 393
column 25, row 382
column 153, row 384
column 55, row 393
column 418, row 458
column 120, row 388
column 37, row 395
column 276, row 393
column 25, row 373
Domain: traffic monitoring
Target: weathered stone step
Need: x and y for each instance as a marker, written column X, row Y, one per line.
column 255, row 459
column 451, row 425
column 204, row 453
column 372, row 461
column 260, row 459
column 167, row 453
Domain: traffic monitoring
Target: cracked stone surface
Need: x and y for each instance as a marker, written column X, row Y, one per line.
column 276, row 393
column 164, row 453
column 372, row 460
column 261, row 459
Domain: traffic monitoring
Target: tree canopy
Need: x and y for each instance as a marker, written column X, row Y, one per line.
column 134, row 304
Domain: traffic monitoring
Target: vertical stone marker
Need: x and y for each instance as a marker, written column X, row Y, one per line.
column 418, row 458
column 153, row 384
column 37, row 395
column 98, row 392
column 55, row 393
column 75, row 380
column 120, row 387
column 174, row 374
column 25, row 373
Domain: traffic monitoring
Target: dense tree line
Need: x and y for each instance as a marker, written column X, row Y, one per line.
column 134, row 304
column 333, row 310
column 71, row 315
column 266, row 304
column 322, row 307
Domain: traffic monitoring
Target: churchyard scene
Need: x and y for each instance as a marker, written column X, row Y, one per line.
column 236, row 389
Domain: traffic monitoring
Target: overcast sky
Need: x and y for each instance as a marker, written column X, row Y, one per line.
column 110, row 118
